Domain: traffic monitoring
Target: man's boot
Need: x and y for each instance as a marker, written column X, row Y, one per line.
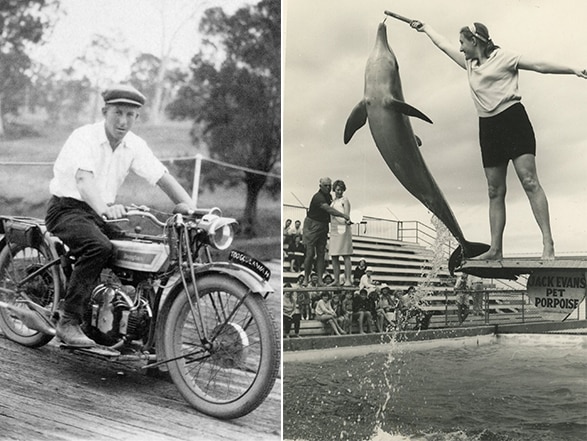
column 69, row 331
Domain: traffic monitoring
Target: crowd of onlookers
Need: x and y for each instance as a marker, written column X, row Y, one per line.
column 369, row 307
column 356, row 299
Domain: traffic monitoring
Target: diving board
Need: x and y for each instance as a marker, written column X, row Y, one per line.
column 511, row 268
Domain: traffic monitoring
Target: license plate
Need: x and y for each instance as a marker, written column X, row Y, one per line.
column 251, row 263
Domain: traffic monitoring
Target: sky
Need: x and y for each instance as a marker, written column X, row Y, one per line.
column 136, row 24
column 327, row 43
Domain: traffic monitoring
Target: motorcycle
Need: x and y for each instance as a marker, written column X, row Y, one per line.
column 161, row 301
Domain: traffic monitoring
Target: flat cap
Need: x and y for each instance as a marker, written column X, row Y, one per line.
column 123, row 94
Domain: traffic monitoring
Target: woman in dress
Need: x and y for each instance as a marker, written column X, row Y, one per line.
column 341, row 240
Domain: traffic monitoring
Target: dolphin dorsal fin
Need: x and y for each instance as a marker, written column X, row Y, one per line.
column 355, row 121
column 406, row 109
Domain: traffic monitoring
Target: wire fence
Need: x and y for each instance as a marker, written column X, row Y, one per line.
column 198, row 160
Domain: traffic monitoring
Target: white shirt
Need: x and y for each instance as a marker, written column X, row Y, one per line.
column 494, row 84
column 87, row 148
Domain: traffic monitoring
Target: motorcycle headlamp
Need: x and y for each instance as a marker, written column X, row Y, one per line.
column 220, row 230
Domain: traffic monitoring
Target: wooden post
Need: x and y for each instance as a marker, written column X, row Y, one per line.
column 196, row 182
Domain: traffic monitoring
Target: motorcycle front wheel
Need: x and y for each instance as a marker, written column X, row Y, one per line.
column 16, row 263
column 225, row 359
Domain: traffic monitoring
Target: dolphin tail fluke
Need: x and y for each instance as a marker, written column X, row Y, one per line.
column 472, row 249
column 355, row 121
column 406, row 109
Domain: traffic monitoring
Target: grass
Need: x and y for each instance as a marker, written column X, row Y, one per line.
column 24, row 190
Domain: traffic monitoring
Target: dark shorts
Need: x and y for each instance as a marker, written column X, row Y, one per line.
column 315, row 233
column 506, row 136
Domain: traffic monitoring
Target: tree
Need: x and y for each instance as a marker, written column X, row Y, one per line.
column 63, row 96
column 235, row 102
column 144, row 76
column 102, row 63
column 22, row 23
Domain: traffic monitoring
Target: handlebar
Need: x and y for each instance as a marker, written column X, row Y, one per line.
column 144, row 211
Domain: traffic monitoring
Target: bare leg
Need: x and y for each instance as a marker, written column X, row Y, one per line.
column 336, row 269
column 525, row 166
column 333, row 325
column 348, row 277
column 308, row 262
column 320, row 262
column 496, row 188
column 361, row 318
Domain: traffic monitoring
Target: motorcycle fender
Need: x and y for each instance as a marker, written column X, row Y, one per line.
column 241, row 274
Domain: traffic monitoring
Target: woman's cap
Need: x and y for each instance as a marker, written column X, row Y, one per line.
column 123, row 94
column 368, row 269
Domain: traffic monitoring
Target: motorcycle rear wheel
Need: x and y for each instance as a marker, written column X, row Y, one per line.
column 236, row 371
column 17, row 262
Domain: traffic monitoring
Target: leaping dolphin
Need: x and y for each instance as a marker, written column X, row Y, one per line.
column 384, row 107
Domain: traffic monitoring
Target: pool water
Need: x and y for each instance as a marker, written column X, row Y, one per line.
column 502, row 388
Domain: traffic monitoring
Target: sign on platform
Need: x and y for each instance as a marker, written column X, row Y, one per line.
column 557, row 290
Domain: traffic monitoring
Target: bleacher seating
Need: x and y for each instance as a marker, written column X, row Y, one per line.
column 401, row 264
column 396, row 263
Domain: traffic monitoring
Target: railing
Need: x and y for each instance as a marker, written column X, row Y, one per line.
column 405, row 231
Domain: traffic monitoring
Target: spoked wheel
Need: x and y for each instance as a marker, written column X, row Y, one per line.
column 16, row 263
column 230, row 371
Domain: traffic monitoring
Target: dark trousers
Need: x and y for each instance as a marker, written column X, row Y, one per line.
column 87, row 236
column 293, row 320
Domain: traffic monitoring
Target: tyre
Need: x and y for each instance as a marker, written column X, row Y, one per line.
column 16, row 263
column 228, row 373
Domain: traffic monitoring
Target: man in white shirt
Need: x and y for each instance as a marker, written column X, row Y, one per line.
column 88, row 172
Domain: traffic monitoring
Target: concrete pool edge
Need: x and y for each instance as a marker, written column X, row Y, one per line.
column 332, row 342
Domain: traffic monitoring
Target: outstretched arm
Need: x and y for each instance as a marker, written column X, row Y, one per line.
column 441, row 42
column 547, row 67
column 334, row 212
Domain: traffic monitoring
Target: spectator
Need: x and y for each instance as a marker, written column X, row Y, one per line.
column 341, row 239
column 372, row 301
column 303, row 299
column 386, row 309
column 462, row 298
column 336, row 304
column 359, row 271
column 286, row 228
column 367, row 281
column 314, row 296
column 287, row 236
column 296, row 230
column 347, row 310
column 289, row 305
column 315, row 234
column 478, row 298
column 411, row 308
column 361, row 311
column 326, row 314
column 327, row 280
column 295, row 254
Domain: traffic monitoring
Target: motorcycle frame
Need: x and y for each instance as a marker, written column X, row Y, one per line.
column 254, row 283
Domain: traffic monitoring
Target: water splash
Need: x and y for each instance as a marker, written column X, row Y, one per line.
column 439, row 258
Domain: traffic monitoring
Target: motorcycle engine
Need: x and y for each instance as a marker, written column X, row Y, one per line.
column 117, row 313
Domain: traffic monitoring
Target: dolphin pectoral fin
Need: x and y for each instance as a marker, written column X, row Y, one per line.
column 418, row 141
column 406, row 109
column 355, row 121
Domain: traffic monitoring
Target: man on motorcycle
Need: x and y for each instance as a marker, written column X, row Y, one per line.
column 88, row 172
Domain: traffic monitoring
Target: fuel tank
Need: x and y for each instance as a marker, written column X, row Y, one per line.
column 140, row 256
